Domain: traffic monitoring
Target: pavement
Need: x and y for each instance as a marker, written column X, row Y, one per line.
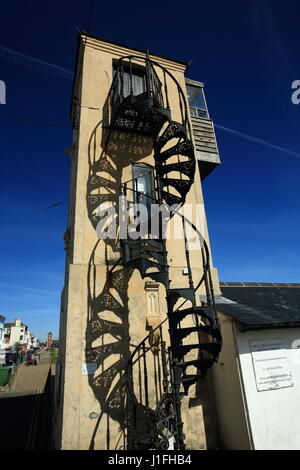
column 32, row 378
column 29, row 378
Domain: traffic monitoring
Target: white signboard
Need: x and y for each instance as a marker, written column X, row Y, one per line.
column 271, row 366
column 90, row 368
column 171, row 443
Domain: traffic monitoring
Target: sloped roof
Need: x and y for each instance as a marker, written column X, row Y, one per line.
column 258, row 306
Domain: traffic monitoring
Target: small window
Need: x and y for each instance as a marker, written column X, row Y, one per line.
column 138, row 77
column 197, row 101
column 21, row 337
column 143, row 184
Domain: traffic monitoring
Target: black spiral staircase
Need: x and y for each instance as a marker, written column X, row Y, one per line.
column 154, row 418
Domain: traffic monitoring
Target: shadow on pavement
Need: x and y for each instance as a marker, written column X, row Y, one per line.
column 27, row 419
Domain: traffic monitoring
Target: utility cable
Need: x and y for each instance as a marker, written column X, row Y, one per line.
column 35, row 121
column 34, row 214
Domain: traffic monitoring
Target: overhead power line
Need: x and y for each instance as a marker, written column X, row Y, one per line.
column 34, row 214
column 92, row 4
column 35, row 121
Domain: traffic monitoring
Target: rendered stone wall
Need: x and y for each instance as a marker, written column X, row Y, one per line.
column 105, row 316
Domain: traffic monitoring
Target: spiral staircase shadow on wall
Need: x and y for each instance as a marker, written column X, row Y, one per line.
column 147, row 406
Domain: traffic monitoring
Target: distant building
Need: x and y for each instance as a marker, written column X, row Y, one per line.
column 34, row 342
column 2, row 330
column 49, row 340
column 16, row 334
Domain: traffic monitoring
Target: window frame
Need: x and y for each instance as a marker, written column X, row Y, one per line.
column 151, row 174
column 197, row 110
column 137, row 70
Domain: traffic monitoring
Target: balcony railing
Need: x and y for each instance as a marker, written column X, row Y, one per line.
column 138, row 100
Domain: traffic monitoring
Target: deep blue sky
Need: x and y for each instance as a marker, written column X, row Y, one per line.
column 247, row 53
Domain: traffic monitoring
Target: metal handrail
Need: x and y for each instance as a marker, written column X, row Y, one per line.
column 141, row 351
column 206, row 261
column 151, row 62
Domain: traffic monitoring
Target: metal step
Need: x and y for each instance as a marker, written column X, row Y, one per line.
column 164, row 113
column 171, row 199
column 174, row 130
column 182, row 148
column 181, row 333
column 177, row 316
column 148, row 244
column 141, row 254
column 201, row 364
column 174, row 294
column 136, row 114
column 186, row 380
column 187, row 168
column 142, row 264
column 213, row 348
column 182, row 186
column 134, row 249
column 189, row 379
column 161, row 277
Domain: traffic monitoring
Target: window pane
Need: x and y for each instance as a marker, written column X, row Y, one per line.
column 196, row 100
column 143, row 175
column 138, row 84
column 143, row 184
column 138, row 80
column 202, row 113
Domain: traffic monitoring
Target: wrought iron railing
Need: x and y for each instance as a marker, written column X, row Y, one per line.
column 148, row 380
column 127, row 103
column 153, row 380
column 156, row 376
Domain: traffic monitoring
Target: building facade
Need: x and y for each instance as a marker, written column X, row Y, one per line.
column 2, row 330
column 17, row 335
column 256, row 379
column 136, row 342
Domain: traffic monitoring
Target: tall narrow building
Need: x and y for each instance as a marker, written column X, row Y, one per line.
column 136, row 340
column 49, row 340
